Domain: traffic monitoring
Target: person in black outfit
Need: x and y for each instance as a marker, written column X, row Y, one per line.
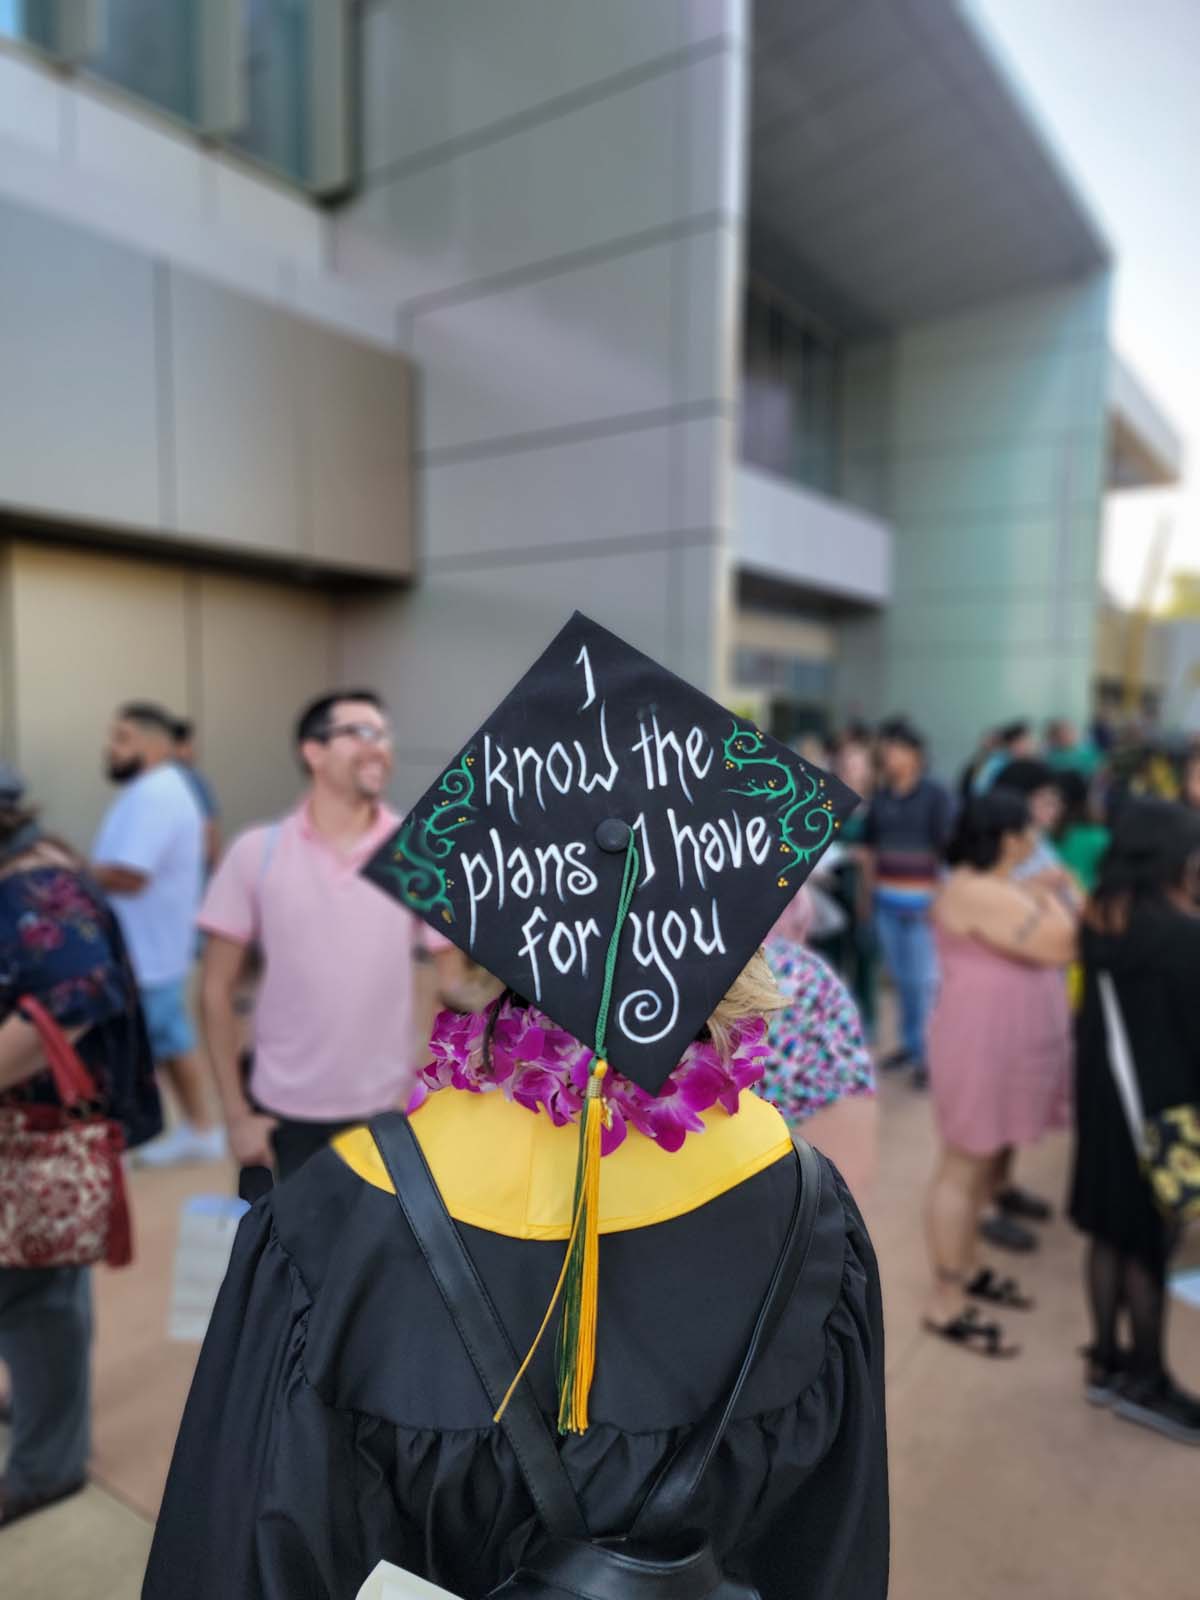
column 335, row 1419
column 1142, row 926
column 338, row 1420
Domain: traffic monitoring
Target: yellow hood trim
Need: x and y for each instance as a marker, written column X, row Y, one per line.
column 512, row 1172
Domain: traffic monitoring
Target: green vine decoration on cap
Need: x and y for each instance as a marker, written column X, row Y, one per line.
column 424, row 845
column 797, row 798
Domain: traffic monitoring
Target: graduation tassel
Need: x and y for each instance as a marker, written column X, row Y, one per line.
column 577, row 1332
column 578, row 1282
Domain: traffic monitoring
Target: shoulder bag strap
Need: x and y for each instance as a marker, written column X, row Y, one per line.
column 72, row 1080
column 479, row 1326
column 665, row 1506
column 1120, row 1059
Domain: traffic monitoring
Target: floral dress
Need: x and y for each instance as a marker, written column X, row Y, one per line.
column 60, row 944
column 818, row 1054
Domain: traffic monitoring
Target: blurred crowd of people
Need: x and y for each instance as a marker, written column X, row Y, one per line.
column 1040, row 926
column 106, row 944
column 1053, row 887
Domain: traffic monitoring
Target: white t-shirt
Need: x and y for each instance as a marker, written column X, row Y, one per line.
column 154, row 826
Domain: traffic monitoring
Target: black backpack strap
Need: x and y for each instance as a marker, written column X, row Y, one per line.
column 664, row 1509
column 491, row 1352
column 479, row 1326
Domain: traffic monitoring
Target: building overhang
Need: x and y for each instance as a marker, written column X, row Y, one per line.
column 1144, row 450
column 818, row 550
column 895, row 166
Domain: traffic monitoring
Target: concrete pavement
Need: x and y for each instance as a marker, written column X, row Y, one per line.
column 1004, row 1482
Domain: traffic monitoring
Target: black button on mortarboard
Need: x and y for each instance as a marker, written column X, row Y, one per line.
column 613, row 835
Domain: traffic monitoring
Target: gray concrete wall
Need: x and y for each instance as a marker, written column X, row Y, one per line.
column 88, row 153
column 553, row 198
column 799, row 536
column 996, row 473
column 189, row 369
column 153, row 401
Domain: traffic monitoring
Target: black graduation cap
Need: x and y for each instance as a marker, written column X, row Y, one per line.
column 518, row 851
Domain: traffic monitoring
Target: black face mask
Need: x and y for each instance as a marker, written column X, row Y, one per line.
column 124, row 771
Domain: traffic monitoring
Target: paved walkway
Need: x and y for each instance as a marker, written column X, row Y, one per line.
column 1004, row 1482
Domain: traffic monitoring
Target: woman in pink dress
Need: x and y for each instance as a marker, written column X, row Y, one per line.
column 999, row 1051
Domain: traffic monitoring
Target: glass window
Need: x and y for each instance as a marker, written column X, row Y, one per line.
column 267, row 77
column 789, row 393
column 31, row 21
column 151, row 49
column 277, row 46
column 797, row 676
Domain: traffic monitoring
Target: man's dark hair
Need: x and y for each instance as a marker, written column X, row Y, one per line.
column 148, row 715
column 1013, row 732
column 314, row 721
column 898, row 730
column 183, row 730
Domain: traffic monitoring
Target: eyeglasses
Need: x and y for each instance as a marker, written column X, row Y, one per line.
column 364, row 732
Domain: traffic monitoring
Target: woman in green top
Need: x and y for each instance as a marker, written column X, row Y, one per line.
column 1081, row 841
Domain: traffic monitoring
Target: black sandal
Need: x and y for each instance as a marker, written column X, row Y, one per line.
column 1017, row 1202
column 1001, row 1230
column 985, row 1285
column 980, row 1338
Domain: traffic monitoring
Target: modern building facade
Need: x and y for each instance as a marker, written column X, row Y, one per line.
column 928, row 377
column 365, row 341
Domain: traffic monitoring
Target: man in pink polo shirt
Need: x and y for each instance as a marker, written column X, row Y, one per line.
column 334, row 1022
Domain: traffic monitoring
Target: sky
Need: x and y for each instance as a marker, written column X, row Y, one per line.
column 1116, row 86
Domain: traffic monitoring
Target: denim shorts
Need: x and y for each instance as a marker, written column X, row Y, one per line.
column 164, row 1006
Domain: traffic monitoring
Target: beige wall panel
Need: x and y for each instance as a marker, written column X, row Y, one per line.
column 357, row 430
column 236, row 428
column 88, row 631
column 79, row 406
column 263, row 649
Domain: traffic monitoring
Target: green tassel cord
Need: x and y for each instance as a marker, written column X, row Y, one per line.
column 578, row 1281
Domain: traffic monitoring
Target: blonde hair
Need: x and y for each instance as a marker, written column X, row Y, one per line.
column 753, row 993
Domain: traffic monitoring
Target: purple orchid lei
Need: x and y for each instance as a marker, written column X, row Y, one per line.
column 544, row 1068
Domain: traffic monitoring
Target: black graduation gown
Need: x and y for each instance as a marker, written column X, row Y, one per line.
column 336, row 1421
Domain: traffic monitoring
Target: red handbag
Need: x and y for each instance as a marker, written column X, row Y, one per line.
column 62, row 1184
